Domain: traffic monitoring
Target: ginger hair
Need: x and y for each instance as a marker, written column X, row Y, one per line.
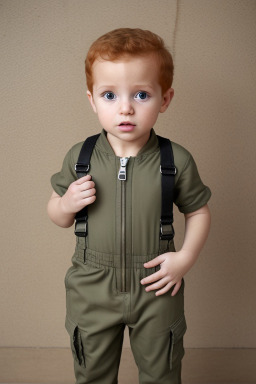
column 124, row 42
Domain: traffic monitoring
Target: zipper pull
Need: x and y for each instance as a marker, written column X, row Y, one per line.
column 122, row 169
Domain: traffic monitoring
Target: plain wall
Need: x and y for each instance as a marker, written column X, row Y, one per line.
column 44, row 111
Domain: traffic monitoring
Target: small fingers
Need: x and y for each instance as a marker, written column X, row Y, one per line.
column 154, row 262
column 81, row 185
column 87, row 197
column 159, row 284
column 90, row 200
column 83, row 179
column 88, row 193
column 86, row 185
column 176, row 288
column 166, row 288
column 154, row 277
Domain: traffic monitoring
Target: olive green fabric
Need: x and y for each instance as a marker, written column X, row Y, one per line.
column 97, row 313
column 103, row 287
column 143, row 194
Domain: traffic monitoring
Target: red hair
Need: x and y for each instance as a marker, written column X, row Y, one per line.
column 130, row 42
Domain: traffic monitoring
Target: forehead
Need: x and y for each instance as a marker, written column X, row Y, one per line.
column 127, row 69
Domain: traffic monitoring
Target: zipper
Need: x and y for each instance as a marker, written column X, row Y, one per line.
column 122, row 175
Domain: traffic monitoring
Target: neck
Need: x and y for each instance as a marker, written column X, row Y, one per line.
column 124, row 148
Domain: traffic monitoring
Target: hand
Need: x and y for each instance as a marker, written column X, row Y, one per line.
column 79, row 194
column 171, row 273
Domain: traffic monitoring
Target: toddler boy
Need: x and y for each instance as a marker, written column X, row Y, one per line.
column 125, row 269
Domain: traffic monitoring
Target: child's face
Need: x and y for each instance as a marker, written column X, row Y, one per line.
column 128, row 98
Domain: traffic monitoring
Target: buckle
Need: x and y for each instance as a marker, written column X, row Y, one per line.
column 83, row 168
column 166, row 231
column 81, row 228
column 169, row 170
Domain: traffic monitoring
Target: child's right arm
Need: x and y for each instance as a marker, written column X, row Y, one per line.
column 62, row 210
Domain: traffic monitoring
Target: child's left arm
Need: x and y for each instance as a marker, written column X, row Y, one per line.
column 174, row 265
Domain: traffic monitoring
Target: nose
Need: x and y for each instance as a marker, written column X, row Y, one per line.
column 126, row 107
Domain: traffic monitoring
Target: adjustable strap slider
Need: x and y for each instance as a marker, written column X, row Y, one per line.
column 82, row 168
column 168, row 170
column 166, row 231
column 81, row 227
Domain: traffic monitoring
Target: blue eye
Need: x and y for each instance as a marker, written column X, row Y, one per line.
column 109, row 96
column 141, row 95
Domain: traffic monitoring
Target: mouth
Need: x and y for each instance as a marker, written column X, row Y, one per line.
column 124, row 123
column 126, row 126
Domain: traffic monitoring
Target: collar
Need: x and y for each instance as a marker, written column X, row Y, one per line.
column 151, row 146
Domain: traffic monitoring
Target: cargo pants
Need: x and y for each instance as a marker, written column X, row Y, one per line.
column 98, row 312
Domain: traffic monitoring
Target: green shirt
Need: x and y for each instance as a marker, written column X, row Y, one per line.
column 142, row 195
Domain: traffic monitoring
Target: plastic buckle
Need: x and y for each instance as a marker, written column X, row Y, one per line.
column 168, row 170
column 166, row 231
column 83, row 168
column 81, row 228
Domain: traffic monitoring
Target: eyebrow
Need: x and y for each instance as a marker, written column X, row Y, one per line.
column 141, row 86
column 137, row 86
column 102, row 87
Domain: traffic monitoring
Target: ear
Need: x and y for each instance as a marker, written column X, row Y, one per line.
column 166, row 99
column 90, row 97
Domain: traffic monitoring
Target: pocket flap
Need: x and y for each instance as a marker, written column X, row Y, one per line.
column 177, row 332
column 75, row 341
column 178, row 329
column 70, row 326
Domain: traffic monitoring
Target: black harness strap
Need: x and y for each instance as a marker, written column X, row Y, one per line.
column 82, row 168
column 168, row 171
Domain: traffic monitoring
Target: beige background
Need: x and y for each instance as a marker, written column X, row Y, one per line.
column 44, row 111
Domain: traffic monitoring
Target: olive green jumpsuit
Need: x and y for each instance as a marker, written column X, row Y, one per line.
column 103, row 289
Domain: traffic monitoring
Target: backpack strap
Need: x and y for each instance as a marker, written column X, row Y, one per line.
column 82, row 168
column 168, row 171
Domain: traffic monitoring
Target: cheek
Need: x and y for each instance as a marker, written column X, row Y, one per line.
column 105, row 113
column 150, row 114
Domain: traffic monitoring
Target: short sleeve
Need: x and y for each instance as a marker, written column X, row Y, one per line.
column 190, row 193
column 60, row 181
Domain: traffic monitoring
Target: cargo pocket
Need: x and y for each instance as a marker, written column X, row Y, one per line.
column 67, row 276
column 75, row 342
column 177, row 332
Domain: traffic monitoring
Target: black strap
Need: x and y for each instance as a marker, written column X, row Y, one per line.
column 168, row 171
column 83, row 163
column 82, row 168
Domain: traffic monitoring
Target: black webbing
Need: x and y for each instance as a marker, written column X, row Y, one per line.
column 83, row 163
column 82, row 168
column 168, row 171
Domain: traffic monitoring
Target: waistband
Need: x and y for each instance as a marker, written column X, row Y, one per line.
column 98, row 259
